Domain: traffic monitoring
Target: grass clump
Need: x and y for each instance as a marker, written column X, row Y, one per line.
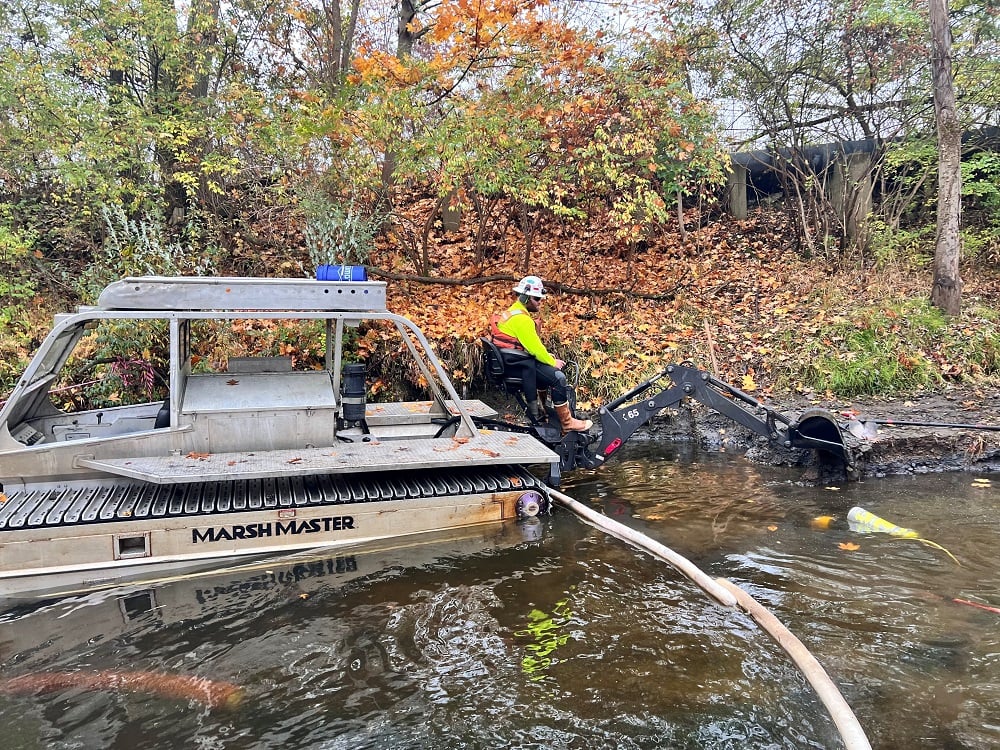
column 900, row 347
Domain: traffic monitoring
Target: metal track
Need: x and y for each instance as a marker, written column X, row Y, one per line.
column 88, row 505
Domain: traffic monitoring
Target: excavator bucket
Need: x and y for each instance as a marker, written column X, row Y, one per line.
column 819, row 429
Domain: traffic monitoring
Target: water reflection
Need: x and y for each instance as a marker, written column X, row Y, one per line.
column 555, row 635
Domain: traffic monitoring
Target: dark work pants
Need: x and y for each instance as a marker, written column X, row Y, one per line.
column 536, row 375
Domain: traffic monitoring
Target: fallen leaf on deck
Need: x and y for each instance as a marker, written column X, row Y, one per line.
column 197, row 455
column 772, row 527
column 849, row 546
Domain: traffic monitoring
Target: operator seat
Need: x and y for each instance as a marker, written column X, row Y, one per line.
column 495, row 361
column 163, row 415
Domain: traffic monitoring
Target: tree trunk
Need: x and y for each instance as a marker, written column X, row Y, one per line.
column 946, row 292
column 203, row 28
column 680, row 217
column 405, row 38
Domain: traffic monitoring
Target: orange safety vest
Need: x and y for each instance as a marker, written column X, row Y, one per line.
column 501, row 339
column 505, row 340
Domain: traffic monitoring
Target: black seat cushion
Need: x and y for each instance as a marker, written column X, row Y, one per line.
column 495, row 362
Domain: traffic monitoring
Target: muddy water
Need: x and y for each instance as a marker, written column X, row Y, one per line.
column 553, row 635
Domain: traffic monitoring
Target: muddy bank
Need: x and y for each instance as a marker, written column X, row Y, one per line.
column 882, row 449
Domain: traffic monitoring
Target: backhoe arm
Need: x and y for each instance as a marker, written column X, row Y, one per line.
column 815, row 428
column 622, row 418
column 625, row 415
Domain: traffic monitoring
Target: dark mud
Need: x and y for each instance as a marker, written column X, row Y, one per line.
column 882, row 450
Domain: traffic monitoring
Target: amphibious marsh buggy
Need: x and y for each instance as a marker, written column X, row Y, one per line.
column 250, row 460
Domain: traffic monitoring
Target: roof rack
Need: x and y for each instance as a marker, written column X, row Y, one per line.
column 239, row 293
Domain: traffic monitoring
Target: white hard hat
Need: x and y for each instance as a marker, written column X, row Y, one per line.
column 530, row 285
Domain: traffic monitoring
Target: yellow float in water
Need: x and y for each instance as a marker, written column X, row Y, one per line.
column 861, row 520
column 823, row 522
column 865, row 521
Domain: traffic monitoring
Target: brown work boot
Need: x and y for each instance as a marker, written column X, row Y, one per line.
column 569, row 422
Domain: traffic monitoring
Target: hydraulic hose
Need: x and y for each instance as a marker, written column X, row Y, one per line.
column 729, row 594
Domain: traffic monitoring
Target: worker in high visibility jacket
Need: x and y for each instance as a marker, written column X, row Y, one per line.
column 515, row 330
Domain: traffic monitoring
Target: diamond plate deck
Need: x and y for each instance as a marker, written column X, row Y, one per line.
column 485, row 449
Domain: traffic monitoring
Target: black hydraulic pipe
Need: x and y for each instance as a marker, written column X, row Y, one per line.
column 639, row 389
column 748, row 399
column 950, row 425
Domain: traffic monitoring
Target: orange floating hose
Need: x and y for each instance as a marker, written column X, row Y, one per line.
column 212, row 693
column 977, row 605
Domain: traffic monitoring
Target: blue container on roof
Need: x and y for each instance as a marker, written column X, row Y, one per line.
column 342, row 273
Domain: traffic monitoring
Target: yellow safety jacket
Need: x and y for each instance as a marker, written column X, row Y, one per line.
column 514, row 328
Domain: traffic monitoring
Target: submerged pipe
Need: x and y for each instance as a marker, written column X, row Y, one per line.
column 212, row 693
column 729, row 594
